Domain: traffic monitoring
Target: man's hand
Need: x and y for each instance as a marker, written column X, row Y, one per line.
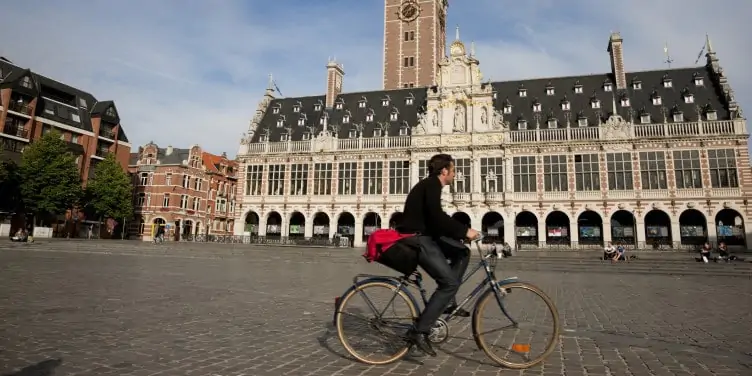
column 472, row 234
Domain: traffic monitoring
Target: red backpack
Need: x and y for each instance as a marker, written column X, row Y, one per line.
column 380, row 240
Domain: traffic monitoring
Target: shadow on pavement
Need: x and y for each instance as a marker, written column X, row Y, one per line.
column 329, row 341
column 44, row 368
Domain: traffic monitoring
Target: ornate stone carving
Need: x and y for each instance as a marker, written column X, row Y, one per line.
column 615, row 128
column 498, row 122
column 484, row 116
column 459, row 119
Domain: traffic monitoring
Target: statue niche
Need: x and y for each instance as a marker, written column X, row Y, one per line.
column 459, row 118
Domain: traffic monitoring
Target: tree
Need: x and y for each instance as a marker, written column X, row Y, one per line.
column 10, row 195
column 49, row 176
column 108, row 193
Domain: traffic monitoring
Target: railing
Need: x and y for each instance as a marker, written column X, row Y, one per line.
column 629, row 131
column 20, row 107
column 16, row 129
column 269, row 240
column 102, row 153
column 107, row 133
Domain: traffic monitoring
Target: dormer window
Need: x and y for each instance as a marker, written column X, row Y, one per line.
column 678, row 116
column 301, row 121
column 578, row 88
column 323, row 120
column 306, row 136
column 338, row 105
column 284, row 137
column 521, row 124
column 353, row 133
column 550, row 90
column 409, row 101
column 369, row 117
column 403, row 130
column 362, row 103
column 522, row 93
column 689, row 98
column 317, row 107
column 394, row 116
column 699, row 81
column 608, row 87
column 565, row 105
column 657, row 101
column 385, row 102
column 637, row 85
column 537, row 107
column 296, row 108
column 346, row 119
column 507, row 109
column 625, row 102
column 711, row 115
column 275, row 109
column 667, row 82
column 645, row 118
column 280, row 123
column 595, row 103
column 264, row 138
column 582, row 121
column 377, row 133
column 494, row 95
column 552, row 123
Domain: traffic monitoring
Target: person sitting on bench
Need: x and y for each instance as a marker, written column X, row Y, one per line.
column 20, row 236
column 705, row 252
column 609, row 252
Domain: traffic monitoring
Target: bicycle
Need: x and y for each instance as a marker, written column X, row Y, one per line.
column 494, row 291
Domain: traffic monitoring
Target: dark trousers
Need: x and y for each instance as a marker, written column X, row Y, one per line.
column 433, row 258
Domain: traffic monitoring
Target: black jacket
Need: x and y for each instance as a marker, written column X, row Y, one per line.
column 423, row 213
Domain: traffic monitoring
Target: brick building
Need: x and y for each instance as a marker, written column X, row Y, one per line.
column 650, row 158
column 188, row 191
column 32, row 104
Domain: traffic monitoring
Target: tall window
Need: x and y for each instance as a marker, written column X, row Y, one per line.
column 523, row 169
column 587, row 172
column 322, row 179
column 372, row 177
column 144, row 178
column 183, row 201
column 196, row 203
column 347, row 176
column 399, row 177
column 299, row 179
column 687, row 169
column 555, row 173
column 422, row 169
column 723, row 168
column 141, row 199
column 653, row 170
column 492, row 174
column 186, row 181
column 276, row 178
column 619, row 166
column 166, row 200
column 463, row 176
column 254, row 176
column 168, row 179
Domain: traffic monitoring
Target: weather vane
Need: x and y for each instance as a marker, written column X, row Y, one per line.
column 668, row 60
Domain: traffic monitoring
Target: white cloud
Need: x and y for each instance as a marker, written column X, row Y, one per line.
column 185, row 72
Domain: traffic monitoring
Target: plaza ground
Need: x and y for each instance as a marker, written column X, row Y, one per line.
column 127, row 308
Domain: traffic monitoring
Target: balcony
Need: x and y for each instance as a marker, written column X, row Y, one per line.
column 16, row 129
column 107, row 133
column 102, row 153
column 21, row 107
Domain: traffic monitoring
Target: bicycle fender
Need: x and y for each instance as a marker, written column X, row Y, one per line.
column 387, row 280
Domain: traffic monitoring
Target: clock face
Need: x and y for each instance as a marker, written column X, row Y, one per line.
column 409, row 11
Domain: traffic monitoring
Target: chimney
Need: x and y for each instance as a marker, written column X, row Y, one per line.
column 168, row 151
column 617, row 60
column 334, row 74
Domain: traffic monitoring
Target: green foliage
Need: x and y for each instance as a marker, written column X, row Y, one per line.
column 109, row 193
column 10, row 195
column 50, row 178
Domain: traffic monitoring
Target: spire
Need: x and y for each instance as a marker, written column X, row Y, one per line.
column 270, row 85
column 708, row 46
column 457, row 33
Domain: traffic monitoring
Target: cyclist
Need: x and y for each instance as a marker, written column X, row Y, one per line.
column 438, row 235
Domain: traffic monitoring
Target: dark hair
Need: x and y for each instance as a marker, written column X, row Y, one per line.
column 439, row 162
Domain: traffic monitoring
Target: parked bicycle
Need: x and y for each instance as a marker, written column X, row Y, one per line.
column 490, row 292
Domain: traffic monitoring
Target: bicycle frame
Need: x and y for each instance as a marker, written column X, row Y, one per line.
column 416, row 280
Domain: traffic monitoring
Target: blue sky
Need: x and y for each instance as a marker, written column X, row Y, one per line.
column 192, row 72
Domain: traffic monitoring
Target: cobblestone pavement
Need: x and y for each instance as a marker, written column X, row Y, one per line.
column 75, row 308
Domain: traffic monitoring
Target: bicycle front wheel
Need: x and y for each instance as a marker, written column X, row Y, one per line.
column 372, row 320
column 519, row 329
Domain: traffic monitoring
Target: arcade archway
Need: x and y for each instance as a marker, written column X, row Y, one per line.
column 463, row 218
column 526, row 229
column 274, row 225
column 730, row 227
column 492, row 224
column 321, row 225
column 658, row 229
column 187, row 227
column 296, row 228
column 158, row 226
column 251, row 223
column 623, row 228
column 590, row 228
column 693, row 227
column 395, row 219
column 371, row 223
column 346, row 227
column 557, row 229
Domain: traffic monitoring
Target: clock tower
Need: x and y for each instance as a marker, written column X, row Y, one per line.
column 414, row 42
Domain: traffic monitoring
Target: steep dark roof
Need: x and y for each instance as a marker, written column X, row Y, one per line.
column 57, row 93
column 593, row 87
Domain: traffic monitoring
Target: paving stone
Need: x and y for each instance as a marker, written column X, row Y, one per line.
column 127, row 308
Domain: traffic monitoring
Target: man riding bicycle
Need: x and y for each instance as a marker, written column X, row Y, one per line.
column 438, row 235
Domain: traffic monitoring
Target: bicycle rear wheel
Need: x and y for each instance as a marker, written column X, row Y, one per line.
column 511, row 335
column 384, row 314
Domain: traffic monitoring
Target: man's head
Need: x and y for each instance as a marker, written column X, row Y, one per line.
column 442, row 166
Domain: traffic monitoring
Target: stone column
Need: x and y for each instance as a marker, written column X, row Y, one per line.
column 712, row 233
column 675, row 233
column 262, row 224
column 508, row 174
column 509, row 231
column 477, row 179
column 640, row 233
column 606, row 232
column 358, row 242
column 414, row 178
column 574, row 233
column 542, row 233
column 308, row 231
